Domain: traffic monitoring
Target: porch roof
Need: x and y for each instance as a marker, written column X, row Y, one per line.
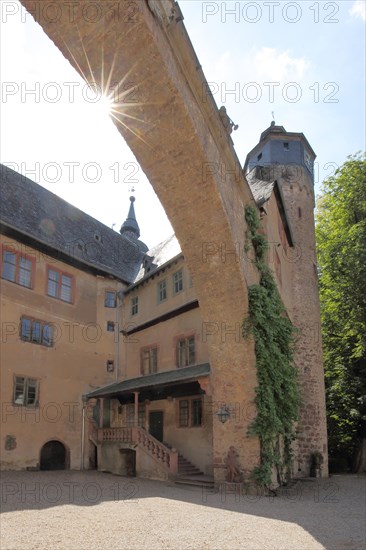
column 152, row 381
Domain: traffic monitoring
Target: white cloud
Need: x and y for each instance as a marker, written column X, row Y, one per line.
column 359, row 9
column 277, row 66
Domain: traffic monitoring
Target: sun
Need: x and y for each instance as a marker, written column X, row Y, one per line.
column 104, row 105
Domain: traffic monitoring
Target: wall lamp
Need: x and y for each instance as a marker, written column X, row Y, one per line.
column 223, row 414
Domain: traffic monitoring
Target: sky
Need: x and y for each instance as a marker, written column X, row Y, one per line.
column 302, row 63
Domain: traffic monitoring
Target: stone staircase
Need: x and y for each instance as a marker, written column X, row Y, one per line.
column 186, row 468
column 189, row 474
column 181, row 470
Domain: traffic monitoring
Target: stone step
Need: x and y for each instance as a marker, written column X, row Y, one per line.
column 188, row 466
column 196, row 481
column 189, row 469
column 185, row 467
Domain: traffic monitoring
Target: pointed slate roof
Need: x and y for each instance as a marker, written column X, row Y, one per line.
column 131, row 225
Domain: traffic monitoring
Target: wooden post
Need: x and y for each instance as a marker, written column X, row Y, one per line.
column 136, row 413
column 101, row 412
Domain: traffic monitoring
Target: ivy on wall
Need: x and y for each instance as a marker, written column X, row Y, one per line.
column 277, row 394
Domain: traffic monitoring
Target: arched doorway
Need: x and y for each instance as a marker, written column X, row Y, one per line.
column 53, row 456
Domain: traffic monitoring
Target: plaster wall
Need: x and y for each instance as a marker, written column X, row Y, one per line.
column 72, row 366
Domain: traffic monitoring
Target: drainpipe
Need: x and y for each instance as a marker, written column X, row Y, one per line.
column 117, row 331
column 82, row 437
column 118, row 316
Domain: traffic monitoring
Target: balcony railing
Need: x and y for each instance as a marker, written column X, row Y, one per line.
column 138, row 436
column 115, row 434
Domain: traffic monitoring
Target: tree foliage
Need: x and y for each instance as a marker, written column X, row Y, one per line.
column 341, row 244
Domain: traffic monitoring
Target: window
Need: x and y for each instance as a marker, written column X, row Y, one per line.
column 25, row 391
column 196, row 412
column 134, row 305
column 130, row 415
column 110, row 298
column 149, row 360
column 190, row 412
column 141, row 416
column 259, row 156
column 183, row 413
column 110, row 326
column 162, row 293
column 178, row 281
column 110, row 366
column 286, row 146
column 38, row 332
column 60, row 285
column 186, row 352
column 17, row 268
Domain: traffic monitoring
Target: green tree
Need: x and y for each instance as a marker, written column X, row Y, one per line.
column 341, row 244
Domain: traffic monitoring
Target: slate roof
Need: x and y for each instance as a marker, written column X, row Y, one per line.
column 152, row 381
column 165, row 251
column 261, row 189
column 160, row 254
column 37, row 214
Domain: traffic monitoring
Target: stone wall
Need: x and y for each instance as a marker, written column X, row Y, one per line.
column 312, row 432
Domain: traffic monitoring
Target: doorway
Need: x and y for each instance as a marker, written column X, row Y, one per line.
column 93, row 457
column 156, row 425
column 53, row 456
column 128, row 462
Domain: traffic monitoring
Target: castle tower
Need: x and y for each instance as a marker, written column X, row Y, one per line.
column 288, row 158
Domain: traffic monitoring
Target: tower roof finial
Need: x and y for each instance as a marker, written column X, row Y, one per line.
column 130, row 228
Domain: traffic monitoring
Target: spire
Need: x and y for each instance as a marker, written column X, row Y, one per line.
column 130, row 228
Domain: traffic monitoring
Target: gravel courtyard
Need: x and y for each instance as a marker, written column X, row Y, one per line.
column 72, row 510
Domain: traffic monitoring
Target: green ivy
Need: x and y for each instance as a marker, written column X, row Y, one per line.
column 277, row 394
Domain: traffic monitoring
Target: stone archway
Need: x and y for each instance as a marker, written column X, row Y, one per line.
column 176, row 133
column 54, row 456
column 177, row 136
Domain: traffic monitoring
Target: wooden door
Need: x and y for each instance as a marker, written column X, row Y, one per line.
column 156, row 424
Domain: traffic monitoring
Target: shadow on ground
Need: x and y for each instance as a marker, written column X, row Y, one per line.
column 331, row 510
